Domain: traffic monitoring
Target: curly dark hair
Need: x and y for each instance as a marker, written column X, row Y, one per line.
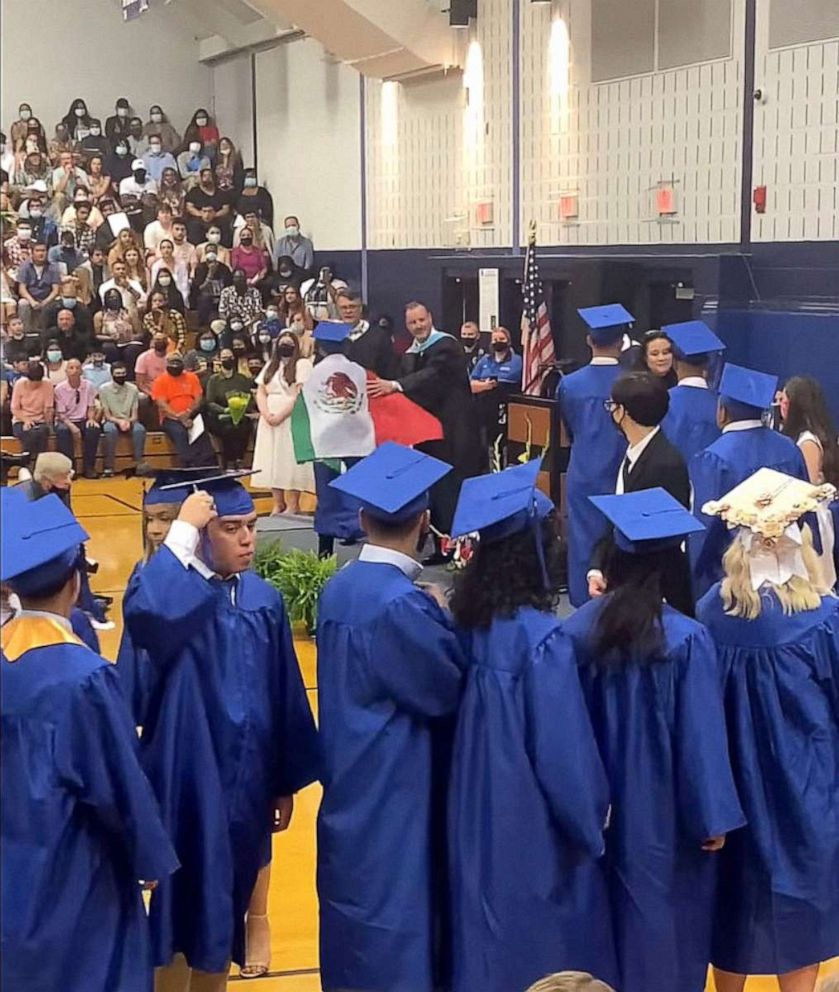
column 629, row 626
column 505, row 575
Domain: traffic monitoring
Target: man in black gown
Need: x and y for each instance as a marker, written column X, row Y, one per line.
column 433, row 374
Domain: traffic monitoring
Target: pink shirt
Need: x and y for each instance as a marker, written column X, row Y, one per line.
column 250, row 262
column 32, row 400
column 151, row 364
column 73, row 402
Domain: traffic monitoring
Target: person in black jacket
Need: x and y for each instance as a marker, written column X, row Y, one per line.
column 370, row 345
column 433, row 374
column 638, row 405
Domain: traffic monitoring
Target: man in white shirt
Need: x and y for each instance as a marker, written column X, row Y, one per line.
column 132, row 292
column 159, row 229
column 138, row 183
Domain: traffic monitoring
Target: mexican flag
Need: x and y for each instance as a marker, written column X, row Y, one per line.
column 334, row 419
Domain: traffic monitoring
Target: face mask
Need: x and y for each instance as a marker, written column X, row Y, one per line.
column 122, row 111
column 292, row 230
column 54, row 356
column 272, row 314
column 236, row 325
column 499, row 347
column 31, row 145
column 165, row 281
column 228, row 363
column 194, row 147
column 469, row 343
column 250, row 181
column 35, row 212
column 119, row 379
column 98, row 363
column 265, row 338
column 297, row 327
column 175, row 369
column 24, row 235
column 239, row 351
column 201, row 121
column 245, row 241
column 285, row 350
column 96, row 131
column 211, row 256
column 160, row 347
column 155, row 149
column 25, row 115
column 208, row 345
column 113, row 304
column 79, row 111
column 157, row 118
column 214, row 238
column 140, row 175
column 68, row 302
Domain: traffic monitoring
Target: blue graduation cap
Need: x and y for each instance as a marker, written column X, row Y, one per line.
column 392, row 483
column 41, row 541
column 693, row 338
column 748, row 387
column 607, row 323
column 332, row 332
column 501, row 504
column 230, row 496
column 648, row 520
column 173, row 485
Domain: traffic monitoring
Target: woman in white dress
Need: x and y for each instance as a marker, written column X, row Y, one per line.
column 808, row 422
column 278, row 386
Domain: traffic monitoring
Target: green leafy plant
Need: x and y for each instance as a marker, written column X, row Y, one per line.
column 298, row 575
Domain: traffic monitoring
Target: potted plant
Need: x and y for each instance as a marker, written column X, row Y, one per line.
column 299, row 576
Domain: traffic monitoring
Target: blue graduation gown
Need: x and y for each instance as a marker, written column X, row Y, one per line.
column 80, row 825
column 84, row 630
column 597, row 450
column 227, row 729
column 389, row 669
column 336, row 513
column 730, row 460
column 661, row 730
column 527, row 807
column 691, row 422
column 135, row 669
column 778, row 905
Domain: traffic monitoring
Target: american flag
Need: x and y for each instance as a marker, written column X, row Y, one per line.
column 536, row 337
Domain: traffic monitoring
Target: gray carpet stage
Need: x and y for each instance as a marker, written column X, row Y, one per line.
column 297, row 532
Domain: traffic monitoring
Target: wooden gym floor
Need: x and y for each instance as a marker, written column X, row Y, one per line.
column 110, row 511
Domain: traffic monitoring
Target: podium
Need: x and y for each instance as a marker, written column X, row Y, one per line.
column 533, row 423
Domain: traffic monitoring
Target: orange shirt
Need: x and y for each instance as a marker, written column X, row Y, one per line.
column 179, row 391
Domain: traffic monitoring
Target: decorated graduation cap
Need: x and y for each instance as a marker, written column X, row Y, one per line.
column 751, row 391
column 693, row 339
column 502, row 504
column 606, row 324
column 647, row 521
column 41, row 542
column 392, row 483
column 229, row 495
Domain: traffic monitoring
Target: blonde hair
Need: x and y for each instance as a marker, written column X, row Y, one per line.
column 797, row 595
column 51, row 465
column 570, row 981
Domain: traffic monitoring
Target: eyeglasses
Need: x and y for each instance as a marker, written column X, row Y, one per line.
column 610, row 406
column 78, row 396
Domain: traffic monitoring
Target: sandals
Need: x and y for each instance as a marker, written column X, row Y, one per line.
column 257, row 947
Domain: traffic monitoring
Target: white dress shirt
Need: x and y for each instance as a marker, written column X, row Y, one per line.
column 742, row 425
column 603, row 360
column 694, row 380
column 387, row 556
column 633, row 453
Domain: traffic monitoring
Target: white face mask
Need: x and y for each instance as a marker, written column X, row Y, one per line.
column 292, row 230
column 32, row 144
column 79, row 111
column 201, row 121
column 35, row 211
column 96, row 131
column 24, row 235
column 122, row 150
column 214, row 238
column 165, row 281
column 25, row 115
column 194, row 147
column 122, row 111
column 157, row 118
column 155, row 149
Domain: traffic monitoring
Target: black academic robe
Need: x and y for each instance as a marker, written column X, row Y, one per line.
column 374, row 352
column 660, row 465
column 437, row 380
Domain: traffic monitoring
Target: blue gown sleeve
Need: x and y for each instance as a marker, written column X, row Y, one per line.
column 560, row 402
column 709, row 479
column 165, row 603
column 416, row 656
column 299, row 760
column 96, row 754
column 707, row 797
column 562, row 747
column 83, row 629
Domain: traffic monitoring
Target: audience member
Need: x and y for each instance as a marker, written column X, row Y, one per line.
column 175, row 268
column 470, row 338
column 321, row 294
column 166, row 320
column 202, row 128
column 60, row 143
column 20, row 128
column 94, row 143
column 44, row 227
column 90, row 275
column 263, row 236
column 139, row 183
column 255, row 197
column 501, row 365
column 65, row 256
column 117, row 329
column 206, row 350
column 151, row 364
column 135, row 268
column 212, row 277
column 38, row 285
column 55, row 368
column 75, row 417
column 252, row 260
column 171, row 191
column 116, row 126
column 18, row 248
column 118, row 164
column 240, row 300
column 130, row 291
column 179, row 397
column 191, row 162
column 32, row 410
column 77, row 120
column 96, row 370
column 158, row 124
column 125, row 239
column 119, row 401
column 159, row 229
column 213, row 243
column 72, row 341
column 101, row 184
column 232, row 426
column 136, row 142
column 184, row 250
column 18, row 345
column 228, row 167
column 206, row 204
column 292, row 244
column 65, row 178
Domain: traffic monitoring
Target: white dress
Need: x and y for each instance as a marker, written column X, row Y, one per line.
column 825, row 519
column 273, row 452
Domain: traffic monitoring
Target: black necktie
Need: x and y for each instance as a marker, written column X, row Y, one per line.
column 625, row 469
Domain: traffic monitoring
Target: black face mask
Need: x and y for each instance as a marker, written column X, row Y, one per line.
column 176, row 369
column 246, row 241
column 285, row 350
column 160, row 348
column 500, row 347
column 228, row 363
column 469, row 343
column 120, row 379
column 239, row 352
column 140, row 175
